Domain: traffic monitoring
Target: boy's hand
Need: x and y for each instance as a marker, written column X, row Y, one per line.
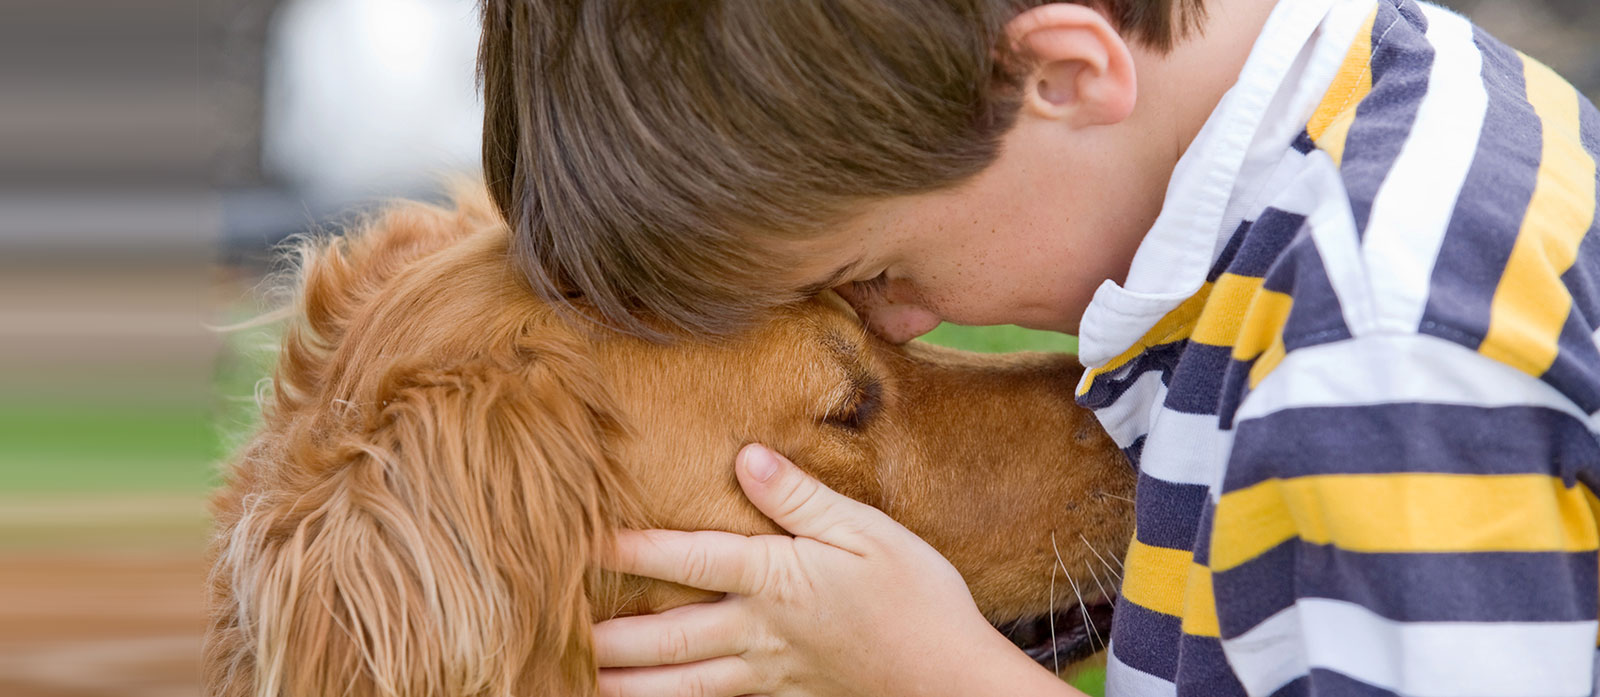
column 854, row 604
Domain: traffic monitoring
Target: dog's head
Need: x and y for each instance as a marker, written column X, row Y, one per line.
column 444, row 455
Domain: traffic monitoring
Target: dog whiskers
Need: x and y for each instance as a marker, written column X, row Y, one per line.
column 1075, row 590
column 1102, row 559
column 1113, row 496
column 1104, row 596
column 1050, row 611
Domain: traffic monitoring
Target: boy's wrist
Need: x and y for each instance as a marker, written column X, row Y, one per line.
column 1000, row 668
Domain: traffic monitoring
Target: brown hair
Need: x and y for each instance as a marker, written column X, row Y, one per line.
column 643, row 151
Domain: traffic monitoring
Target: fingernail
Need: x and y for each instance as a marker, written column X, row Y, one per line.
column 760, row 462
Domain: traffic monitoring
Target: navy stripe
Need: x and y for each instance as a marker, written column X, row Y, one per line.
column 1454, row 587
column 1494, row 198
column 1197, row 381
column 1583, row 280
column 1229, row 251
column 1412, row 14
column 1303, row 144
column 1410, row 437
column 1589, row 125
column 1576, row 370
column 1579, row 380
column 1235, row 387
column 1316, row 317
column 1108, row 388
column 1203, row 669
column 1401, row 60
column 1325, row 683
column 1271, row 233
column 1411, row 587
column 1298, row 687
column 1202, row 534
column 1249, row 593
column 1144, row 639
column 1135, row 451
column 1168, row 512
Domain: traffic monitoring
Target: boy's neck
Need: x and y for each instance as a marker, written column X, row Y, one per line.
column 1179, row 90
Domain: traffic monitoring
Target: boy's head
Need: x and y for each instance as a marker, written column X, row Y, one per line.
column 690, row 163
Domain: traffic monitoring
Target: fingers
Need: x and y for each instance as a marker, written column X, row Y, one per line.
column 800, row 503
column 714, row 561
column 719, row 677
column 680, row 635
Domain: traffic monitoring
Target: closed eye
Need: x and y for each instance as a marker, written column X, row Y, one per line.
column 872, row 286
column 865, row 398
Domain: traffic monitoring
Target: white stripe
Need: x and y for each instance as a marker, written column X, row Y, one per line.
column 1123, row 680
column 1270, row 655
column 1129, row 417
column 1414, row 205
column 1320, row 192
column 1420, row 659
column 1386, row 368
column 1185, row 448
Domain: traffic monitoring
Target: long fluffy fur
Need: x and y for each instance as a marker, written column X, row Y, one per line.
column 417, row 514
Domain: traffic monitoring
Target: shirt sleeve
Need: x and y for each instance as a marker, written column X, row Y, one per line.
column 1401, row 515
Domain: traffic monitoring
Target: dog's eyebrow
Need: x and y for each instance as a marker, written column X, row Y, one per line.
column 842, row 347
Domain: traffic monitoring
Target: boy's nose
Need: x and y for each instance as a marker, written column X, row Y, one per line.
column 900, row 324
column 894, row 322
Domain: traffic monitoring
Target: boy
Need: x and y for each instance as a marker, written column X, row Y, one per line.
column 1329, row 262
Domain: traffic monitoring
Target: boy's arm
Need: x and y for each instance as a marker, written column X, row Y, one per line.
column 1402, row 513
column 854, row 604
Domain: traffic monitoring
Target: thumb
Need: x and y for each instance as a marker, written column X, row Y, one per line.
column 801, row 504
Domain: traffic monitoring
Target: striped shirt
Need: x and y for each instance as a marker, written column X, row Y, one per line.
column 1355, row 361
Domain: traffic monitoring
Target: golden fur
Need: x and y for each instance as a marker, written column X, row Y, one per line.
column 443, row 455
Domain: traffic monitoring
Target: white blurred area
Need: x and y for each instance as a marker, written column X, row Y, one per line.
column 371, row 97
column 152, row 152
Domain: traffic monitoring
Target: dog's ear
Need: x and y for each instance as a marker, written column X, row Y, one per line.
column 446, row 552
column 340, row 275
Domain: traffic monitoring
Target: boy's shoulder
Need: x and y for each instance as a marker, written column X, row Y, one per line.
column 1450, row 192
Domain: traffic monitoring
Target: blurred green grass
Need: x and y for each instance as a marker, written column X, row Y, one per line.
column 71, row 447
column 1000, row 339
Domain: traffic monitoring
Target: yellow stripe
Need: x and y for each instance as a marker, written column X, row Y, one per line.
column 1405, row 513
column 1330, row 123
column 1269, row 359
column 1200, row 604
column 1224, row 312
column 1155, row 577
column 1176, row 325
column 1263, row 324
column 1531, row 304
column 1242, row 315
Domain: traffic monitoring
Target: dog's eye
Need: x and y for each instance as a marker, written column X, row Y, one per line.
column 865, row 398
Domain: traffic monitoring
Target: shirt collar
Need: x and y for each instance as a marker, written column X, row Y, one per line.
column 1171, row 262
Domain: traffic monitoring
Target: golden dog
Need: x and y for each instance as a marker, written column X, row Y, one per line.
column 444, row 455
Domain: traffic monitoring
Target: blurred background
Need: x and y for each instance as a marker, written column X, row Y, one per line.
column 154, row 152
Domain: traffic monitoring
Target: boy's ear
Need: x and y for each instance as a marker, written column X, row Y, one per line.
column 1078, row 68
